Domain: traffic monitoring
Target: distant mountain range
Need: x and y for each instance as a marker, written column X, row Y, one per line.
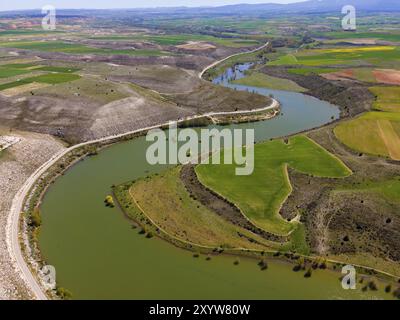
column 311, row 6
column 315, row 6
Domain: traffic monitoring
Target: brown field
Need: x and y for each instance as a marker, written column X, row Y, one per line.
column 361, row 41
column 347, row 74
column 388, row 76
column 198, row 46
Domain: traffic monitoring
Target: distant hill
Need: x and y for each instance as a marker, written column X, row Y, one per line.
column 314, row 6
column 311, row 6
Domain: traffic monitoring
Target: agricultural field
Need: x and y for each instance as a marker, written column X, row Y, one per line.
column 76, row 48
column 259, row 197
column 256, row 79
column 388, row 98
column 376, row 133
column 325, row 190
column 51, row 79
column 179, row 39
column 164, row 199
column 375, row 55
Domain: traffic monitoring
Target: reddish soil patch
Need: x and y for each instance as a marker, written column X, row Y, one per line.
column 388, row 76
column 347, row 74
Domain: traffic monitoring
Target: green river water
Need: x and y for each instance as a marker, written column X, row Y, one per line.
column 98, row 255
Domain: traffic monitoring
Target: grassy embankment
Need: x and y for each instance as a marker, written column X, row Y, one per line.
column 261, row 194
column 257, row 79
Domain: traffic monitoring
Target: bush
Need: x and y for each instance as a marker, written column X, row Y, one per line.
column 63, row 293
column 149, row 235
column 109, row 201
column 372, row 286
column 36, row 219
column 308, row 273
column 297, row 268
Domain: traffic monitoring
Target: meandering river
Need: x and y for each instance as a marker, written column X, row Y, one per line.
column 98, row 255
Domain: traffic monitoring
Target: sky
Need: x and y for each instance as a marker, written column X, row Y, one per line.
column 6, row 5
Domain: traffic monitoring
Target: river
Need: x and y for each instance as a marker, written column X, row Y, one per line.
column 98, row 255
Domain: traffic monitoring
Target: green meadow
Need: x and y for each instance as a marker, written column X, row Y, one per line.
column 257, row 79
column 74, row 48
column 261, row 194
column 364, row 35
column 388, row 98
column 376, row 133
column 377, row 55
column 177, row 39
column 55, row 78
column 310, row 71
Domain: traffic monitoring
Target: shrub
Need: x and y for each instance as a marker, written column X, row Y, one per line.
column 36, row 219
column 109, row 201
column 63, row 293
column 308, row 273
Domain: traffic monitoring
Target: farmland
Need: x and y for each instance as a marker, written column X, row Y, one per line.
column 263, row 80
column 325, row 187
column 261, row 198
column 376, row 132
column 75, row 48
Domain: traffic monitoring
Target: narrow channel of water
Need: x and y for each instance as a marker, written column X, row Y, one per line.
column 98, row 255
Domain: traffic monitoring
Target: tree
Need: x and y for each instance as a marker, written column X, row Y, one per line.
column 109, row 201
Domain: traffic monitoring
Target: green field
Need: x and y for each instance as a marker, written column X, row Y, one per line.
column 388, row 98
column 310, row 71
column 75, row 48
column 377, row 55
column 262, row 80
column 261, row 194
column 26, row 32
column 375, row 133
column 288, row 59
column 177, row 39
column 165, row 200
column 57, row 69
column 55, row 78
column 6, row 72
column 364, row 35
column 389, row 189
